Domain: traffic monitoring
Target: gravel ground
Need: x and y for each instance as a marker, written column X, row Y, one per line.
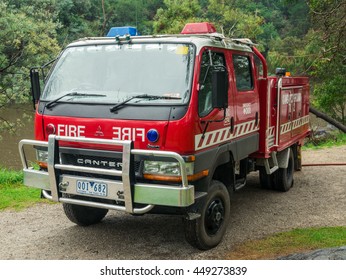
column 318, row 198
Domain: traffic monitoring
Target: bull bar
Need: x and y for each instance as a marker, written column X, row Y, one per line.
column 133, row 192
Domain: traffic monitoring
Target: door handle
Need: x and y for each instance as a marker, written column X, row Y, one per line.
column 232, row 125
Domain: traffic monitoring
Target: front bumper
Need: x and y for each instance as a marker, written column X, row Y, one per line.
column 123, row 192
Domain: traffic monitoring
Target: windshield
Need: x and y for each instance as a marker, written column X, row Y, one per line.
column 110, row 74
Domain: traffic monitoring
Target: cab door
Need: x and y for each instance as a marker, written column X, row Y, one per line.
column 246, row 97
column 214, row 124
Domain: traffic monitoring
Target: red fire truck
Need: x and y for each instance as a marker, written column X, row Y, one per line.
column 167, row 124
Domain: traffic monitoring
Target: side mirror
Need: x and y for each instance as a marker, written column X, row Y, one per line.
column 219, row 89
column 35, row 85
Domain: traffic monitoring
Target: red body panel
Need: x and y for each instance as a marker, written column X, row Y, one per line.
column 286, row 122
column 120, row 130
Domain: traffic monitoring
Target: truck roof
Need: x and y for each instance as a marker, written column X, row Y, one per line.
column 199, row 40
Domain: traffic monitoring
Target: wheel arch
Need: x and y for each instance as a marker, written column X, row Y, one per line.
column 224, row 171
column 220, row 163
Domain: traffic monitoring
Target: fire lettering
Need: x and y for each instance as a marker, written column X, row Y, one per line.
column 71, row 130
column 127, row 133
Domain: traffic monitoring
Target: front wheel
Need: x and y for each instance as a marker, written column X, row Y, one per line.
column 208, row 230
column 84, row 215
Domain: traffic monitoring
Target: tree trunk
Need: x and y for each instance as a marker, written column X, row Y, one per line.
column 328, row 119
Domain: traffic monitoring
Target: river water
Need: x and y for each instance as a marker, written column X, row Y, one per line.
column 9, row 155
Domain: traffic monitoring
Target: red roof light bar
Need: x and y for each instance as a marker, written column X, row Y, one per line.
column 198, row 28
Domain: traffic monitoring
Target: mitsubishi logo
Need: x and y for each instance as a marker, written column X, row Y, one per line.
column 99, row 131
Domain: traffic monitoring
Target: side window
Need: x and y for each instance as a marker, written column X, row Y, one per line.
column 210, row 62
column 259, row 67
column 243, row 74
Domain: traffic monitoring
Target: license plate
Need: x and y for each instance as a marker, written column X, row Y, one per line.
column 91, row 188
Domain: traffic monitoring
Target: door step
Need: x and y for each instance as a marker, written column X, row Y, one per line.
column 275, row 164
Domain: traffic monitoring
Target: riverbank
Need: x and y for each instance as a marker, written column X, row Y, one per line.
column 24, row 115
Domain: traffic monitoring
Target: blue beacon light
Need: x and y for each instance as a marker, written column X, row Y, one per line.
column 153, row 135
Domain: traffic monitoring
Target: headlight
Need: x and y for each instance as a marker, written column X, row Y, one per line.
column 166, row 168
column 42, row 158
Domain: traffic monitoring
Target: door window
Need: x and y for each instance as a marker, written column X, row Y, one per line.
column 243, row 73
column 210, row 61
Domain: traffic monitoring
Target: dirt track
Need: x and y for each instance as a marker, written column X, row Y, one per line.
column 318, row 198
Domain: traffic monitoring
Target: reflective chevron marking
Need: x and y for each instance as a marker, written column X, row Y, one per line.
column 287, row 127
column 270, row 136
column 224, row 134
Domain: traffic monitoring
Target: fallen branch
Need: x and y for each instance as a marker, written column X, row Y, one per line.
column 328, row 119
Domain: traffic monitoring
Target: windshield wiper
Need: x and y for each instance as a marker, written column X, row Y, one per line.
column 143, row 96
column 50, row 104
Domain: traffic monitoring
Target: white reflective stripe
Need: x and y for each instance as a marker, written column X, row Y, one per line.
column 270, row 136
column 287, row 127
column 224, row 134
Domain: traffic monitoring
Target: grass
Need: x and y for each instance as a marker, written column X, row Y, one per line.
column 285, row 243
column 333, row 140
column 13, row 194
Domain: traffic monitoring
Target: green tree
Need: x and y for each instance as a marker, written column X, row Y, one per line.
column 78, row 19
column 330, row 96
column 28, row 38
column 86, row 18
column 328, row 69
column 172, row 18
column 233, row 21
column 137, row 13
column 292, row 53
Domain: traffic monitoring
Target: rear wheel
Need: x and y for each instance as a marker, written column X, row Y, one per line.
column 84, row 215
column 282, row 179
column 284, row 176
column 208, row 230
column 266, row 180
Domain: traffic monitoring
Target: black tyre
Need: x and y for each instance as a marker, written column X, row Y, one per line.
column 84, row 215
column 282, row 179
column 207, row 231
column 267, row 180
column 284, row 176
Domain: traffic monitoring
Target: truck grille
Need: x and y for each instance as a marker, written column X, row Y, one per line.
column 95, row 161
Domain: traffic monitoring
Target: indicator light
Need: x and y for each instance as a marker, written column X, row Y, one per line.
column 50, row 129
column 153, row 135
